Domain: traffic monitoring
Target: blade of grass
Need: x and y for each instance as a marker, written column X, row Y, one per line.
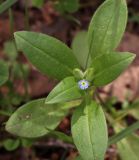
column 126, row 132
column 6, row 5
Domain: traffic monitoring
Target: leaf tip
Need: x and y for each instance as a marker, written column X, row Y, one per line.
column 47, row 101
column 132, row 56
column 16, row 33
column 7, row 127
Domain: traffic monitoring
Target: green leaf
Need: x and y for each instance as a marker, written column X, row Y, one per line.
column 27, row 142
column 38, row 3
column 89, row 131
column 69, row 6
column 108, row 67
column 5, row 113
column 4, row 72
column 80, row 48
column 78, row 158
column 46, row 53
column 128, row 146
column 124, row 133
column 62, row 136
column 32, row 119
column 78, row 74
column 134, row 109
column 66, row 90
column 6, row 5
column 11, row 144
column 10, row 50
column 107, row 27
column 20, row 70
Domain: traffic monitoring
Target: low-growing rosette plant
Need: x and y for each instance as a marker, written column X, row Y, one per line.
column 92, row 62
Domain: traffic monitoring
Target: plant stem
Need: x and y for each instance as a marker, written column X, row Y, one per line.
column 108, row 116
column 88, row 4
column 5, row 113
column 21, row 66
column 121, row 116
column 11, row 19
column 6, row 4
column 27, row 26
column 25, row 82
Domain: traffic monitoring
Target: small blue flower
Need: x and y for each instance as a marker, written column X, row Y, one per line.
column 83, row 84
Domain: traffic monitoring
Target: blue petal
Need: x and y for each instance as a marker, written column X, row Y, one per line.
column 83, row 86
